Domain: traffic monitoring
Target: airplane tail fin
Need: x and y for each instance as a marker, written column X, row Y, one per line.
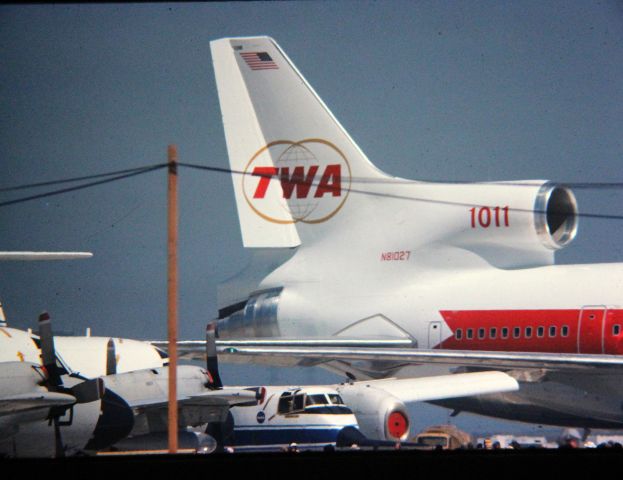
column 293, row 162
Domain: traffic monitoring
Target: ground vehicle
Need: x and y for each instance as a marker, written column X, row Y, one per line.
column 448, row 437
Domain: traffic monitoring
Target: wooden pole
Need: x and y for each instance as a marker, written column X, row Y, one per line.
column 172, row 295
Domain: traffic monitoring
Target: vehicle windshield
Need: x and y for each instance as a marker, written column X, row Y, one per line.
column 316, row 403
column 433, row 441
column 317, row 399
column 328, row 410
column 336, row 399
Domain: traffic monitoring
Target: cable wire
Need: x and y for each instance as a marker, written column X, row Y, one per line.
column 74, row 179
column 585, row 185
column 134, row 173
column 123, row 174
column 398, row 181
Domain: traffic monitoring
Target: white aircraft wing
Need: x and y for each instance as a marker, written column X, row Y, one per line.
column 398, row 350
column 196, row 349
column 225, row 397
column 22, row 398
column 468, row 358
column 36, row 256
column 29, row 402
column 204, row 407
column 146, row 393
column 441, row 387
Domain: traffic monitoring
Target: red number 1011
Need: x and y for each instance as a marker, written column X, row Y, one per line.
column 486, row 217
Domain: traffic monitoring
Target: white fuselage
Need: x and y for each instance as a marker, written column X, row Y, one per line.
column 466, row 266
column 445, row 286
column 312, row 417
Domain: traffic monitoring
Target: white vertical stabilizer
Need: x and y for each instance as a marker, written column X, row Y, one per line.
column 294, row 163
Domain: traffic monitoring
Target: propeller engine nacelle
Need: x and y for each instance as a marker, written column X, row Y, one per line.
column 380, row 416
column 96, row 356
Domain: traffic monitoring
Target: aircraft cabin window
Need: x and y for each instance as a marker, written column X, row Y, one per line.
column 552, row 331
column 299, row 403
column 458, row 333
column 564, row 331
column 516, row 332
column 504, row 332
column 481, row 333
column 318, row 399
column 336, row 399
column 540, row 332
column 616, row 329
column 493, row 332
column 470, row 333
column 285, row 403
column 528, row 332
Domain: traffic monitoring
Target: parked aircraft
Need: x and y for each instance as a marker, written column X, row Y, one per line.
column 47, row 409
column 365, row 413
column 64, row 395
column 311, row 417
column 88, row 356
column 46, row 412
column 370, row 275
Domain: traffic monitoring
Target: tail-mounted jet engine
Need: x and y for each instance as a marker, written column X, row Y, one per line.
column 509, row 224
column 525, row 215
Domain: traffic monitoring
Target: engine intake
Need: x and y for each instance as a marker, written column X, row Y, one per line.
column 380, row 416
column 555, row 215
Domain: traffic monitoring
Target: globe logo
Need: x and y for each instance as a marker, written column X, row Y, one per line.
column 289, row 182
column 297, row 156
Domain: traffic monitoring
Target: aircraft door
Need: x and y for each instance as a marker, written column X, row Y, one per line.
column 612, row 332
column 591, row 329
column 434, row 335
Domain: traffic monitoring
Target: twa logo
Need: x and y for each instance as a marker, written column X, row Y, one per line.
column 289, row 182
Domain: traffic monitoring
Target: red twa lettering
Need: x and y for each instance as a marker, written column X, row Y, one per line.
column 330, row 182
column 298, row 181
column 265, row 174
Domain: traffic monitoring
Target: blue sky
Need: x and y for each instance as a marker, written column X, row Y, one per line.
column 429, row 90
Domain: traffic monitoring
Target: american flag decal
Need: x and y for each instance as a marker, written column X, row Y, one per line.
column 259, row 60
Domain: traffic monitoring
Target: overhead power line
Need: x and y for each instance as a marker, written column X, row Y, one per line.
column 123, row 174
column 74, row 179
column 398, row 181
column 132, row 173
column 584, row 185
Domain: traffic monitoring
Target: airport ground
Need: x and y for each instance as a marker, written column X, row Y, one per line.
column 371, row 464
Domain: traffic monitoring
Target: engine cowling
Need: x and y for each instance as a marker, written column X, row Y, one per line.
column 556, row 215
column 89, row 356
column 509, row 224
column 380, row 416
column 523, row 214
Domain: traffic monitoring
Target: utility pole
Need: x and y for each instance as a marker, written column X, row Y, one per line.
column 172, row 295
